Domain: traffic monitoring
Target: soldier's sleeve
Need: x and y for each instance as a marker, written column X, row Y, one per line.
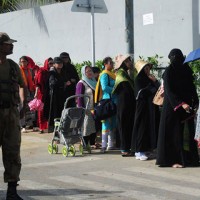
column 20, row 79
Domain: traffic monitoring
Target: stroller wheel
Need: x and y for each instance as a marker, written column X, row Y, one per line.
column 50, row 149
column 72, row 150
column 88, row 148
column 65, row 151
column 55, row 148
column 81, row 149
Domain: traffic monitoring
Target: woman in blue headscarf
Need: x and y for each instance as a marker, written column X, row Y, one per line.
column 87, row 86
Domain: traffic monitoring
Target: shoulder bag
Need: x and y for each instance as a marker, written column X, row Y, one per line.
column 105, row 108
column 159, row 97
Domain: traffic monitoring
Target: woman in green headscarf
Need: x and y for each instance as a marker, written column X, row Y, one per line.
column 124, row 90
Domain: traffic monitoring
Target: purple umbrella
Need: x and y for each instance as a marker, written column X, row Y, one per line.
column 192, row 56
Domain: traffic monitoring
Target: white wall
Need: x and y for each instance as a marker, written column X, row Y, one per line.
column 49, row 30
column 175, row 25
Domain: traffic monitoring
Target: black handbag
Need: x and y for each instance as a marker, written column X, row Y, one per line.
column 185, row 116
column 105, row 108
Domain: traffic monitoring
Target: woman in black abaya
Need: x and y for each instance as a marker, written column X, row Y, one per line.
column 179, row 97
column 55, row 100
column 124, row 91
column 145, row 129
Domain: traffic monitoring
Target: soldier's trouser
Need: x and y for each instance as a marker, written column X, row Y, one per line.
column 10, row 142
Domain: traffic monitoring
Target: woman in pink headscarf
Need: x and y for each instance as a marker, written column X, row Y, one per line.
column 41, row 81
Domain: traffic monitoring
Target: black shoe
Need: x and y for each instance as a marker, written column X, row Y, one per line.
column 12, row 192
column 13, row 197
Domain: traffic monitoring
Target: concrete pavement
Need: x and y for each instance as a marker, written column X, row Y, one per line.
column 97, row 176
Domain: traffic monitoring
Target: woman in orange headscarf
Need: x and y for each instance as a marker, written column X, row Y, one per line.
column 26, row 67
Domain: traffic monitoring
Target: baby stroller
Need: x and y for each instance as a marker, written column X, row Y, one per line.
column 67, row 129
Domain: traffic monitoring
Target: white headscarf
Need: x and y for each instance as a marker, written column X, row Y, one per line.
column 91, row 82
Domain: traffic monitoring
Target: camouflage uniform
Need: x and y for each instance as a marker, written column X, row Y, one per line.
column 10, row 134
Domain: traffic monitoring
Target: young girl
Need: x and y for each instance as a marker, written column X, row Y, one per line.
column 107, row 81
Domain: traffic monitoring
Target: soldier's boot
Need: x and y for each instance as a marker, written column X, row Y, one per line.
column 12, row 192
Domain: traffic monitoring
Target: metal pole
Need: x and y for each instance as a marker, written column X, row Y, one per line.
column 93, row 35
column 129, row 23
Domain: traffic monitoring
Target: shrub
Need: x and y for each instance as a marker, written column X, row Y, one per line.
column 195, row 66
column 78, row 66
column 157, row 68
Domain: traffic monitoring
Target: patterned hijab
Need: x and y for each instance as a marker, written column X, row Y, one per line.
column 122, row 76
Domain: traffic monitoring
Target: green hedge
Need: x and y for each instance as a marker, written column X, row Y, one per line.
column 78, row 66
column 158, row 68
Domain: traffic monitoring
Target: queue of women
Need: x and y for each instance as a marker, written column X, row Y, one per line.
column 51, row 84
column 139, row 127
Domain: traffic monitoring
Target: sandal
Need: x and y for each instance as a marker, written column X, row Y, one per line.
column 93, row 147
column 177, row 166
column 98, row 146
column 126, row 154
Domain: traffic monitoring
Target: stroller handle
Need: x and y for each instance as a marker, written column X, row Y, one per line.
column 77, row 96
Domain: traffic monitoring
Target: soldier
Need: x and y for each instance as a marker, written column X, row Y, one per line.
column 11, row 93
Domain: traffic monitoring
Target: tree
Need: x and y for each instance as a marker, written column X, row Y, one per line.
column 13, row 5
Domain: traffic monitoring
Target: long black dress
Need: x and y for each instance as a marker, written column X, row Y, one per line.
column 146, row 123
column 69, row 72
column 56, row 96
column 178, row 88
column 125, row 108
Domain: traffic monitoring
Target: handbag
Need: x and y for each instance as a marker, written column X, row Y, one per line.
column 36, row 104
column 159, row 97
column 105, row 108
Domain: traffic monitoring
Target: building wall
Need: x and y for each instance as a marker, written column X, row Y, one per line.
column 49, row 30
column 175, row 25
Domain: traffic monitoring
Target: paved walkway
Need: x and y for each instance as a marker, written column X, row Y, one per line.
column 98, row 176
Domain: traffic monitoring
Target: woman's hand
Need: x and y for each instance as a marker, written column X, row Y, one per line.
column 152, row 77
column 73, row 80
column 23, row 109
column 36, row 92
column 68, row 83
column 186, row 107
column 35, row 96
